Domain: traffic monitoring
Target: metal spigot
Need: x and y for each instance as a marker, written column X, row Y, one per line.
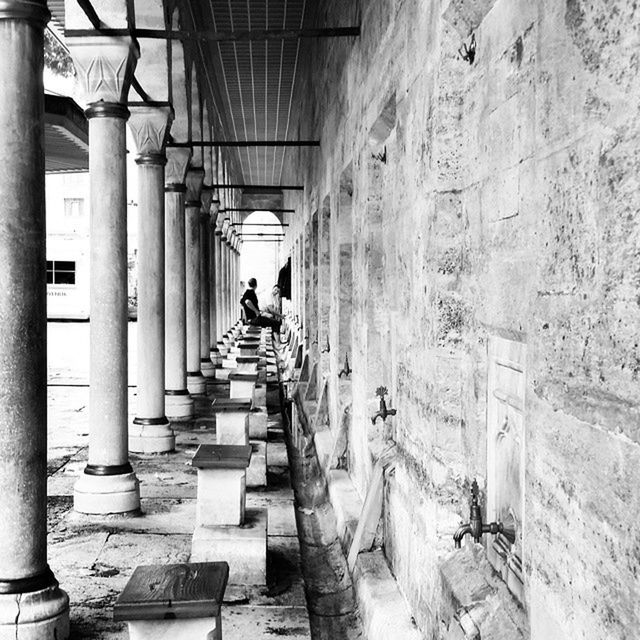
column 383, row 412
column 326, row 349
column 346, row 369
column 475, row 527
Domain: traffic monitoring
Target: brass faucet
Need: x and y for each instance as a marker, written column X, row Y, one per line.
column 346, row 369
column 475, row 526
column 383, row 412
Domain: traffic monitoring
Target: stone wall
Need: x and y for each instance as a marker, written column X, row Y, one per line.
column 495, row 201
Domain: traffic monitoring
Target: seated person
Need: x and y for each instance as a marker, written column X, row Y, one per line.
column 249, row 302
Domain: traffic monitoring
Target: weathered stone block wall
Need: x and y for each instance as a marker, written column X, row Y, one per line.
column 506, row 207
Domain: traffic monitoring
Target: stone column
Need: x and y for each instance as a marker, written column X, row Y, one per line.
column 108, row 484
column 214, row 353
column 151, row 432
column 178, row 402
column 195, row 379
column 235, row 287
column 31, row 604
column 206, row 366
column 224, row 289
column 227, row 282
column 219, row 280
column 230, row 277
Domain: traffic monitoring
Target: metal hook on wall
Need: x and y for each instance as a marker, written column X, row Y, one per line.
column 468, row 52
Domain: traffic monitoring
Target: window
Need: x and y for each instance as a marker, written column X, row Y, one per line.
column 61, row 272
column 73, row 207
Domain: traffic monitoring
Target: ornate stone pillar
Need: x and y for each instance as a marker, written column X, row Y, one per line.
column 206, row 366
column 226, row 253
column 108, row 484
column 195, row 379
column 232, row 287
column 214, row 353
column 235, row 286
column 151, row 432
column 31, row 604
column 219, row 279
column 178, row 402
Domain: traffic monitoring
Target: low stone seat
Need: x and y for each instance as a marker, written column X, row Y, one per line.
column 248, row 364
column 176, row 601
column 248, row 348
column 244, row 548
column 232, row 420
column 222, row 474
column 223, row 348
column 242, row 384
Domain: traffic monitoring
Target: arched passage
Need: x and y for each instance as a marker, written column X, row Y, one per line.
column 262, row 234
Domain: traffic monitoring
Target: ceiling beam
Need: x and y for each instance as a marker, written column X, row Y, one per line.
column 259, row 187
column 90, row 12
column 220, row 36
column 258, row 209
column 258, row 224
column 245, row 143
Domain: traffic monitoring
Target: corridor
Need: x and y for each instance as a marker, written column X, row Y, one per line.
column 319, row 319
column 94, row 556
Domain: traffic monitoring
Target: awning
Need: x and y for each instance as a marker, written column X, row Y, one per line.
column 66, row 136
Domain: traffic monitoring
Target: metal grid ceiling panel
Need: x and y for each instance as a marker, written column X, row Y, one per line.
column 256, row 80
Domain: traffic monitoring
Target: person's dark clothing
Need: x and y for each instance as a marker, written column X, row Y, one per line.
column 249, row 294
column 284, row 280
column 266, row 321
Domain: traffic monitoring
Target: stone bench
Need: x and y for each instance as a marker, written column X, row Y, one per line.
column 242, row 384
column 236, row 423
column 248, row 364
column 232, row 420
column 223, row 347
column 174, row 601
column 244, row 548
column 222, row 483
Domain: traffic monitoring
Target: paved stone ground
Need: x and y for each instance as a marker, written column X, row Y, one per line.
column 93, row 557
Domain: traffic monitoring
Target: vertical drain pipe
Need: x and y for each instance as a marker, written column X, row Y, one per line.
column 328, row 589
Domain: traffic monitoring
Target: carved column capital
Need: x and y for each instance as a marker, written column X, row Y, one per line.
column 194, row 180
column 177, row 163
column 105, row 66
column 150, row 127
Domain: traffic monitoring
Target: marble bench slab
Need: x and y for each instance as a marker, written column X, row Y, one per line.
column 174, row 601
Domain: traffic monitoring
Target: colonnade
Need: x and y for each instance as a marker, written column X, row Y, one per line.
column 187, row 284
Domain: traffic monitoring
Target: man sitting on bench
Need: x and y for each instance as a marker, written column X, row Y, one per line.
column 249, row 302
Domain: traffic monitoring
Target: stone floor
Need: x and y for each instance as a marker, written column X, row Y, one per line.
column 93, row 557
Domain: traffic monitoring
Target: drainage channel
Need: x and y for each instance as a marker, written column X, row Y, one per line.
column 329, row 591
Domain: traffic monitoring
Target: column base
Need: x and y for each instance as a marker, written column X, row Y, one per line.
column 196, row 383
column 207, row 368
column 178, row 406
column 103, row 494
column 152, row 435
column 35, row 615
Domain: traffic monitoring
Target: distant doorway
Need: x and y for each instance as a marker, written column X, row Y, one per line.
column 261, row 252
